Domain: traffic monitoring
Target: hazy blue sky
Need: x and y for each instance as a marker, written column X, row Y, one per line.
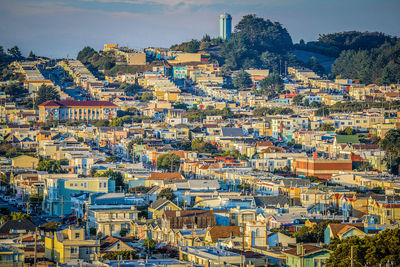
column 61, row 27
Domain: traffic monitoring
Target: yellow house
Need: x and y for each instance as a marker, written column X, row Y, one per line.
column 157, row 208
column 25, row 161
column 70, row 244
column 171, row 96
column 383, row 211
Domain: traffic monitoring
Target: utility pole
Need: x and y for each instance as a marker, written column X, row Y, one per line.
column 35, row 252
column 62, row 208
column 351, row 257
column 243, row 235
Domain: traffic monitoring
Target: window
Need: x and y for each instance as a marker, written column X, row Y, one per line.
column 100, row 184
column 105, row 185
column 77, row 235
column 88, row 250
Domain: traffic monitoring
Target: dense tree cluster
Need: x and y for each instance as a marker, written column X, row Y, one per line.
column 391, row 145
column 272, row 111
column 242, row 80
column 380, row 65
column 256, row 43
column 50, row 166
column 355, row 40
column 202, row 146
column 190, row 47
column 334, row 43
column 130, row 89
column 313, row 234
column 14, row 216
column 195, row 114
column 45, row 93
column 271, row 86
column 95, row 61
column 169, row 162
column 368, row 251
column 194, row 45
column 167, row 193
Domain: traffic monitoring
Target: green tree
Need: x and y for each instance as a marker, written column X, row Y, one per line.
column 298, row 100
column 50, row 166
column 242, row 80
column 31, row 54
column 130, row 89
column 170, row 162
column 391, row 145
column 46, row 93
column 322, row 111
column 315, row 66
column 252, row 37
column 327, row 127
column 123, row 232
column 202, row 146
column 271, row 61
column 314, row 234
column 112, row 159
column 272, row 85
column 85, row 54
column 368, row 251
column 149, row 245
column 167, row 193
column 147, row 96
column 15, row 216
column 15, row 52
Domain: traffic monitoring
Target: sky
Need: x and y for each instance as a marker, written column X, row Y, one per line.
column 60, row 28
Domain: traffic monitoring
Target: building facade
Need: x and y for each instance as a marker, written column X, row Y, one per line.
column 77, row 110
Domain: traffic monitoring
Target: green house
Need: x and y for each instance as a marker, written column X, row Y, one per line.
column 306, row 256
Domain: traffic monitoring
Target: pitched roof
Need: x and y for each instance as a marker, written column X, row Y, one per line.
column 165, row 176
column 76, row 103
column 221, row 231
column 9, row 226
column 234, row 132
column 267, row 201
column 340, row 228
column 109, row 241
column 308, row 249
column 190, row 213
column 159, row 203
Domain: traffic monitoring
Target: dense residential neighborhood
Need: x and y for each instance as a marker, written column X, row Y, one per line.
column 167, row 157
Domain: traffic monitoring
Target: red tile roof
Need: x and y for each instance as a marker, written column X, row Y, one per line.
column 76, row 103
